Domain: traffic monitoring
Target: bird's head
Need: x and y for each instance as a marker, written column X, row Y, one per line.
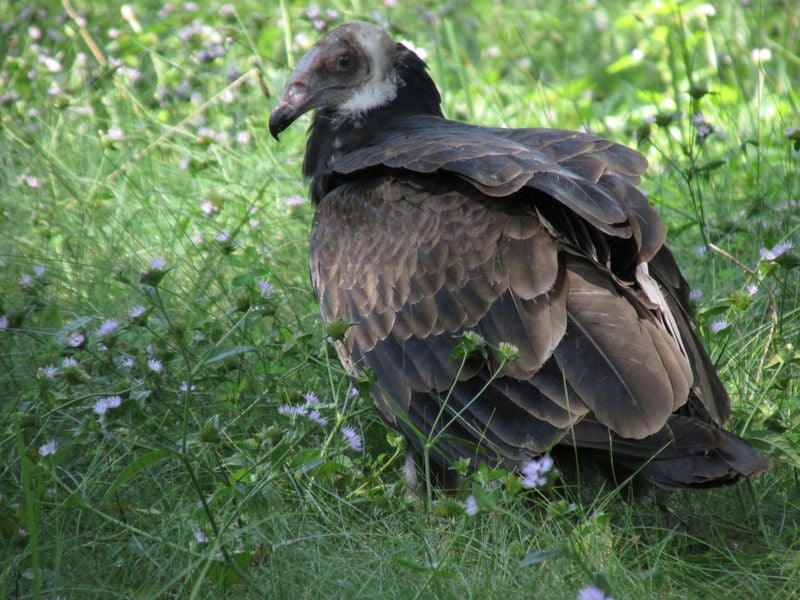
column 349, row 71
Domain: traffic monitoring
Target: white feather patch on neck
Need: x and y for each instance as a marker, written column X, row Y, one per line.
column 381, row 88
column 371, row 95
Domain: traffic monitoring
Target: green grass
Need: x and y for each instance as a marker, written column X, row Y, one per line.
column 118, row 148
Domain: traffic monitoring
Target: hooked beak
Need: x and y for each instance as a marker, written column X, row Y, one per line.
column 295, row 100
column 297, row 97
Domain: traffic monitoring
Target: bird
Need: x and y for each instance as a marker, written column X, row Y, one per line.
column 508, row 292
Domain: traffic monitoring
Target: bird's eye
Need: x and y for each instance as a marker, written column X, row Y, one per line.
column 344, row 62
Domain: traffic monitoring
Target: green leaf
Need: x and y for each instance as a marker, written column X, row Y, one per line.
column 776, row 443
column 435, row 570
column 234, row 351
column 136, row 467
column 539, row 556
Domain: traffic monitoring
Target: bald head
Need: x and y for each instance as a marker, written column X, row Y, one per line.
column 349, row 71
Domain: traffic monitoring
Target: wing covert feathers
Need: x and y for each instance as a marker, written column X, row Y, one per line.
column 435, row 235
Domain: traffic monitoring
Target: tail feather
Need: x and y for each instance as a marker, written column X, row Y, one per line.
column 686, row 453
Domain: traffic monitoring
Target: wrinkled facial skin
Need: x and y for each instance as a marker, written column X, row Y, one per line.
column 325, row 78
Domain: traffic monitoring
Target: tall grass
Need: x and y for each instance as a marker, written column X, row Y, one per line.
column 153, row 252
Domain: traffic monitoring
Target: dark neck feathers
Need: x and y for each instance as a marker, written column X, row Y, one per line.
column 331, row 136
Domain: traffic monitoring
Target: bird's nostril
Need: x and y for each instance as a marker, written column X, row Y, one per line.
column 296, row 91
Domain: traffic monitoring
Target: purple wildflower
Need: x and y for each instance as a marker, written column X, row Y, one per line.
column 718, row 325
column 155, row 365
column 352, row 438
column 39, row 271
column 4, row 322
column 295, row 411
column 48, row 448
column 104, row 404
column 264, row 287
column 75, row 340
column 593, row 593
column 158, row 263
column 311, row 398
column 294, row 201
column 783, row 247
column 48, row 372
column 315, row 416
column 471, row 506
column 695, row 295
column 26, row 281
column 107, row 328
column 200, row 537
column 69, row 363
column 752, row 289
column 534, row 471
column 209, row 208
column 769, row 255
column 136, row 312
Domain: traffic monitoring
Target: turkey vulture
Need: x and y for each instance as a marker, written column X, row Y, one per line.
column 428, row 231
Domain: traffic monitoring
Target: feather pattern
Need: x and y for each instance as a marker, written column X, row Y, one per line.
column 426, row 228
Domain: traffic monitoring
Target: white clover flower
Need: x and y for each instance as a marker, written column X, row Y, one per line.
column 31, row 181
column 760, row 55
